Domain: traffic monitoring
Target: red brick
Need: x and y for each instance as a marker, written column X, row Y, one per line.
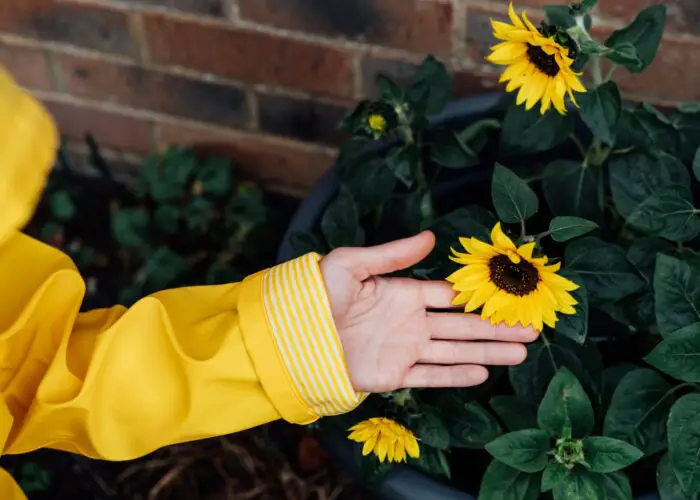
column 109, row 129
column 674, row 75
column 29, row 67
column 469, row 83
column 249, row 56
column 417, row 25
column 268, row 161
column 207, row 7
column 682, row 15
column 87, row 26
column 145, row 89
column 480, row 33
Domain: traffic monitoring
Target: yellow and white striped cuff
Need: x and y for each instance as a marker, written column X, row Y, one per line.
column 299, row 314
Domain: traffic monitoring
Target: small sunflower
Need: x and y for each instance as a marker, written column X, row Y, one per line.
column 510, row 284
column 385, row 438
column 376, row 123
column 540, row 65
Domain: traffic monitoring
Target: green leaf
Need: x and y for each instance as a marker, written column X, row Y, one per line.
column 600, row 110
column 403, row 162
column 605, row 454
column 341, row 222
column 579, row 485
column 432, row 87
column 216, row 176
column 625, row 54
column 130, row 227
column 449, row 151
column 644, row 35
column 471, row 426
column 560, row 15
column 668, row 213
column 614, row 486
column 588, row 4
column 514, row 412
column 304, row 242
column 432, row 430
column 62, row 206
column 554, row 475
column 433, row 462
column 178, row 164
column 391, row 92
column 167, row 218
column 565, row 228
column 530, row 379
column 676, row 294
column 696, row 164
column 476, row 135
column 164, row 268
column 642, row 254
column 636, row 176
column 667, row 482
column 570, row 189
column 370, row 184
column 513, row 199
column 684, row 442
column 678, row 355
column 526, row 132
column 611, row 379
column 575, row 326
column 199, row 213
column 525, row 450
column 501, row 482
column 637, row 412
column 607, row 274
column 565, row 403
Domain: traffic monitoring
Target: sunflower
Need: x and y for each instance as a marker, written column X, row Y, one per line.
column 510, row 284
column 539, row 65
column 386, row 439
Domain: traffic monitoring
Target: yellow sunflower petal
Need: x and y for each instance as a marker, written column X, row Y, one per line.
column 514, row 17
column 529, row 25
column 478, row 247
column 547, row 97
column 500, row 239
column 382, row 448
column 508, row 52
column 559, row 282
column 526, row 250
column 368, row 447
column 462, row 298
column 536, row 91
column 412, row 447
column 480, row 297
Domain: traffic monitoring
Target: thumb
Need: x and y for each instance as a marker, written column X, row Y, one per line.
column 389, row 257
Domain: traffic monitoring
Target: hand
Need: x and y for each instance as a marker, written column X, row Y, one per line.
column 392, row 340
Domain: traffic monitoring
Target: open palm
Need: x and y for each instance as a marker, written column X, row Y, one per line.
column 391, row 333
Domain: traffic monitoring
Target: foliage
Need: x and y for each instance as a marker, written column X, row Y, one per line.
column 607, row 189
column 184, row 220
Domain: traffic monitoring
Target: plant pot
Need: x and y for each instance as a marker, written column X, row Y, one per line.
column 407, row 483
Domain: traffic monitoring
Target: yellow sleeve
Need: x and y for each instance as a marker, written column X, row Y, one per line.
column 177, row 366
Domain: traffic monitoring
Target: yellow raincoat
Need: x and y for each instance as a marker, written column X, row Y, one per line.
column 178, row 366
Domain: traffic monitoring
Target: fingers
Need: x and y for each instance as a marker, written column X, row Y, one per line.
column 473, row 353
column 387, row 258
column 459, row 326
column 445, row 376
column 437, row 294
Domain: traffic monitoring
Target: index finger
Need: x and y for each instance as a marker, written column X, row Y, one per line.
column 461, row 326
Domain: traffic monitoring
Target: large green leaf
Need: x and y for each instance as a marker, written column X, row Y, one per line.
column 554, row 474
column 403, row 163
column 433, row 461
column 130, row 227
column 643, row 36
column 432, row 430
column 696, row 164
column 678, row 355
column 526, row 132
column 572, row 189
column 578, row 485
column 370, row 184
column 531, row 378
column 199, row 213
column 684, row 442
column 341, row 222
column 637, row 412
column 167, row 218
column 575, row 326
column 606, row 454
column 604, row 269
column 471, row 426
column 642, row 254
column 668, row 213
column 667, row 482
column 676, row 294
column 600, row 109
column 565, row 405
column 525, row 450
column 451, row 152
column 515, row 413
column 637, row 175
column 513, row 199
column 431, row 89
column 62, row 206
column 216, row 176
column 566, row 228
column 614, row 486
column 164, row 268
column 501, row 482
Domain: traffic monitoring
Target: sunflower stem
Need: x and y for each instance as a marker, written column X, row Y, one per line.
column 523, row 232
column 579, row 145
column 611, row 72
column 597, row 70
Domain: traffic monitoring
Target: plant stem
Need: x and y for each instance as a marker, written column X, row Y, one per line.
column 548, row 346
column 523, row 232
column 611, row 72
column 597, row 70
column 579, row 145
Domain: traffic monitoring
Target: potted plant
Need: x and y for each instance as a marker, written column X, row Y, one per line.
column 605, row 405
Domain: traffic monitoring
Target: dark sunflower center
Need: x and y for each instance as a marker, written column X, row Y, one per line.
column 544, row 62
column 517, row 279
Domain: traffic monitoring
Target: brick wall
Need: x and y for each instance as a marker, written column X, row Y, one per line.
column 267, row 80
